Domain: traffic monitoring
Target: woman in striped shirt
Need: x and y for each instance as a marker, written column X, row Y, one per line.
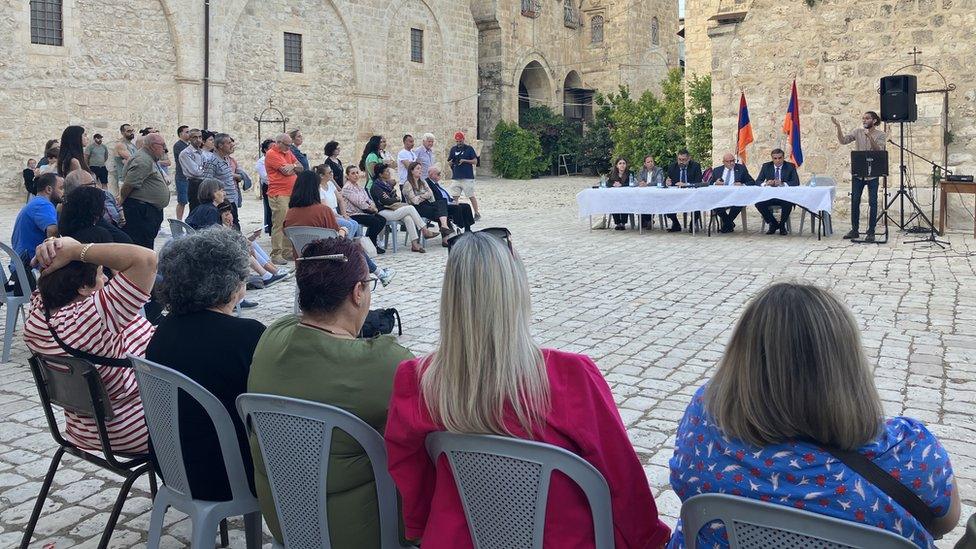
column 101, row 318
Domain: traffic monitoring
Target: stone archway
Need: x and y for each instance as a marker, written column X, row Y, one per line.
column 534, row 88
column 577, row 99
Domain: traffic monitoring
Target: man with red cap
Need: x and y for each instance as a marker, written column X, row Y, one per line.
column 463, row 159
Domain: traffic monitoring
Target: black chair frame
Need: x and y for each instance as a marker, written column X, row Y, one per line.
column 82, row 393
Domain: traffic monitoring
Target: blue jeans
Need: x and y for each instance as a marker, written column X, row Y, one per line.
column 857, row 188
column 350, row 225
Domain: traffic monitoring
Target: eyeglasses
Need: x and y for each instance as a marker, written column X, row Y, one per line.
column 500, row 233
column 370, row 282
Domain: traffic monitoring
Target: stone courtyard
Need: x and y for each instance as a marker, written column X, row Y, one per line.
column 653, row 310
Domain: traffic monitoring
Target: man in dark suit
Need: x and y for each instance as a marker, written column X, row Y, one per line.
column 730, row 173
column 459, row 214
column 685, row 172
column 777, row 174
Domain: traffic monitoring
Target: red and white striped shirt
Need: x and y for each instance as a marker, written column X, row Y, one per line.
column 106, row 324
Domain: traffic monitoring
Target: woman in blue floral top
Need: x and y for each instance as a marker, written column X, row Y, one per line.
column 793, row 380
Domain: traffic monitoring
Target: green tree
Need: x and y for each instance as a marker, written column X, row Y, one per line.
column 596, row 146
column 649, row 125
column 556, row 134
column 516, row 153
column 700, row 118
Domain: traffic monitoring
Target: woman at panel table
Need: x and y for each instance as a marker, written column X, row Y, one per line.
column 651, row 175
column 620, row 176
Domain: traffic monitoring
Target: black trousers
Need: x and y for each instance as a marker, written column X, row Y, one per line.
column 142, row 221
column 101, row 173
column 647, row 218
column 432, row 210
column 460, row 214
column 728, row 215
column 620, row 219
column 857, row 188
column 192, row 190
column 374, row 223
column 267, row 208
column 766, row 211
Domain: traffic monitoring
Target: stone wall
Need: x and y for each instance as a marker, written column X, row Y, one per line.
column 839, row 54
column 142, row 62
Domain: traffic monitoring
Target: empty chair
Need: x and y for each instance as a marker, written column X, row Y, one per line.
column 178, row 228
column 73, row 384
column 824, row 217
column 14, row 298
column 295, row 437
column 299, row 238
column 752, row 523
column 504, row 487
column 160, row 389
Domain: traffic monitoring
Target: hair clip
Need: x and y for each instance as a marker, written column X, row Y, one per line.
column 333, row 257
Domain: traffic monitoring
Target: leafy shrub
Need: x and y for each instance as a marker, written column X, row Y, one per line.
column 700, row 118
column 517, row 153
column 596, row 147
column 556, row 134
column 649, row 125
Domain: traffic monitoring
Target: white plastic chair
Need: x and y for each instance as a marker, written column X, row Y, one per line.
column 753, row 523
column 179, row 229
column 159, row 389
column 295, row 437
column 504, row 487
column 12, row 301
column 301, row 236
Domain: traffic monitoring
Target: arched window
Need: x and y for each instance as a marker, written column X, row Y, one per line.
column 569, row 14
column 596, row 29
column 655, row 32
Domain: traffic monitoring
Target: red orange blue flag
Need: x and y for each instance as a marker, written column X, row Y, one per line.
column 744, row 137
column 791, row 127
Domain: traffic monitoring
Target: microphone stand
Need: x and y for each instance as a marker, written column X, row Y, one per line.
column 937, row 172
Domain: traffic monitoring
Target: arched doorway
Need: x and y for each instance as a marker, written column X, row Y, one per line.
column 577, row 99
column 534, row 88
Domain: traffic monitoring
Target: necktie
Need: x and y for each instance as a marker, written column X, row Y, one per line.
column 730, row 176
column 684, row 176
column 777, row 173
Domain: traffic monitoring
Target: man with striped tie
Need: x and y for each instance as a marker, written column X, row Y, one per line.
column 777, row 174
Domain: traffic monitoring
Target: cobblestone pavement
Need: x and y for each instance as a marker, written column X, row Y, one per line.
column 653, row 310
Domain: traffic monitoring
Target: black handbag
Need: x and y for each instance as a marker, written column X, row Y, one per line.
column 381, row 321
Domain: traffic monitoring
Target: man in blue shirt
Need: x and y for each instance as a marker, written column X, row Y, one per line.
column 463, row 159
column 38, row 219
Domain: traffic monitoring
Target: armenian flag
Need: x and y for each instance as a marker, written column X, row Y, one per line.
column 744, row 137
column 791, row 127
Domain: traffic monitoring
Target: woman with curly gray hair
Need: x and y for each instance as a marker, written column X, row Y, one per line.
column 202, row 280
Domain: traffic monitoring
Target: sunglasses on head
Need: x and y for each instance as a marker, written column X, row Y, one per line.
column 500, row 233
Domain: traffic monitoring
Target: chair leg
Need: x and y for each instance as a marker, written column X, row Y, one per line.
column 224, row 538
column 45, row 488
column 204, row 526
column 152, row 484
column 119, row 502
column 8, row 330
column 252, row 530
column 160, row 505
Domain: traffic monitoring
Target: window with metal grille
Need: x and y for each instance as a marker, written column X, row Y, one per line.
column 655, row 32
column 570, row 19
column 293, row 52
column 45, row 19
column 596, row 29
column 531, row 8
column 417, row 45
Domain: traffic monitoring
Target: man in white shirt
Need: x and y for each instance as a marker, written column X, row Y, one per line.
column 425, row 154
column 730, row 173
column 405, row 157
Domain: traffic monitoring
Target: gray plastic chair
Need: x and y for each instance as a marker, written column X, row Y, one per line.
column 392, row 228
column 504, row 487
column 753, row 523
column 295, row 437
column 159, row 388
column 178, row 228
column 300, row 236
column 14, row 302
column 828, row 226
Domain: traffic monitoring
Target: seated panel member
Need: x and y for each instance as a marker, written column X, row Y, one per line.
column 777, row 174
column 620, row 176
column 652, row 175
column 683, row 172
column 730, row 173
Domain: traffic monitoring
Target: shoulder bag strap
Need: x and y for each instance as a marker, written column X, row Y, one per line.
column 84, row 355
column 886, row 483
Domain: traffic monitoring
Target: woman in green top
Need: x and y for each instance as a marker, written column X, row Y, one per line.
column 373, row 154
column 318, row 357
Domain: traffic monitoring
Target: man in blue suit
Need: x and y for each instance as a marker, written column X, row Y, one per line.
column 777, row 174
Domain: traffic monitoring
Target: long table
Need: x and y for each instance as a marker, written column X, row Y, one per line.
column 654, row 200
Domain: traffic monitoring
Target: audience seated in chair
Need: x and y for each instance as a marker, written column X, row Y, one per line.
column 82, row 217
column 329, row 195
column 458, row 214
column 259, row 260
column 319, row 357
column 88, row 314
column 202, row 281
column 211, row 195
column 795, row 380
column 417, row 193
column 361, row 208
column 487, row 375
column 392, row 208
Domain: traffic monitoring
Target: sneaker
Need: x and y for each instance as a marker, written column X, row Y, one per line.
column 869, row 237
column 274, row 278
column 853, row 234
column 245, row 304
column 477, row 217
column 279, row 261
column 386, row 276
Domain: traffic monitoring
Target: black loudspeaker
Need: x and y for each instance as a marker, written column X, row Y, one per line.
column 898, row 98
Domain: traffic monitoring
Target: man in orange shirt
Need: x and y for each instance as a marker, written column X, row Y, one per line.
column 282, row 168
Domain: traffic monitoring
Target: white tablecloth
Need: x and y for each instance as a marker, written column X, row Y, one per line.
column 652, row 200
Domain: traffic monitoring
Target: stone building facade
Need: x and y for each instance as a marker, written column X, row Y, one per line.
column 367, row 66
column 839, row 50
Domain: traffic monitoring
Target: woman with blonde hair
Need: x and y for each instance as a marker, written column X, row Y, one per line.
column 488, row 376
column 791, row 409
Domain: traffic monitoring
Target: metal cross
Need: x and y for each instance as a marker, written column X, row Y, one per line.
column 914, row 53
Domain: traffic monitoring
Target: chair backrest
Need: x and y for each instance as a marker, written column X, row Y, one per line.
column 504, row 487
column 19, row 269
column 159, row 388
column 822, row 181
column 295, row 437
column 71, row 383
column 754, row 523
column 301, row 236
column 178, row 228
